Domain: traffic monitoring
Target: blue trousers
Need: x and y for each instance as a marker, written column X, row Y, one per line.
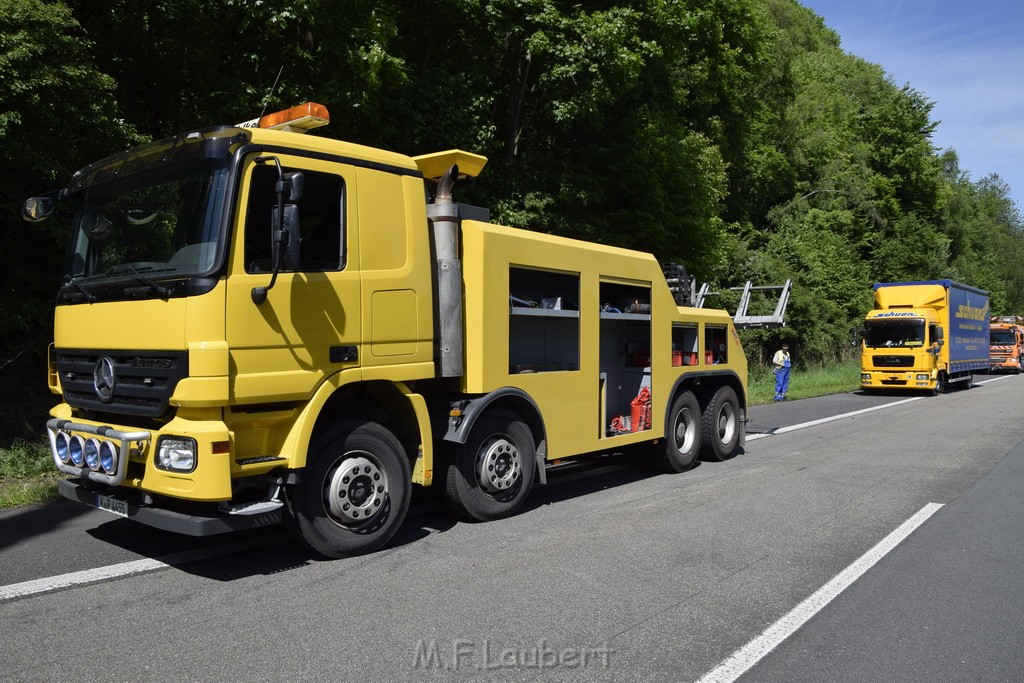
column 781, row 382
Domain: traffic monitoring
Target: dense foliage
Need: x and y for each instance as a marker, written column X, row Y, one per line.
column 734, row 136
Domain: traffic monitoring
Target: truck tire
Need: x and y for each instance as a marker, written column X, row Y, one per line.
column 682, row 436
column 353, row 494
column 491, row 474
column 720, row 424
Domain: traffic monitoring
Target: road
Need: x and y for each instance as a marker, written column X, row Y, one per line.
column 612, row 573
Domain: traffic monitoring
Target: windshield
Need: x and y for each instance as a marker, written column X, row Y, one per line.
column 1003, row 337
column 890, row 333
column 164, row 222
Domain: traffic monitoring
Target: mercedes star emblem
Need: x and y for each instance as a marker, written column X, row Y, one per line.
column 104, row 379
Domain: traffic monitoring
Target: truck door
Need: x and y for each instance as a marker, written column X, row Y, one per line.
column 309, row 325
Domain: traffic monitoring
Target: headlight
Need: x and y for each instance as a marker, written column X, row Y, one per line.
column 176, row 454
column 922, row 377
column 76, row 449
column 92, row 454
column 865, row 376
column 108, row 457
column 62, row 443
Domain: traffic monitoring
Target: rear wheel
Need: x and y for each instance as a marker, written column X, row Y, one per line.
column 491, row 475
column 354, row 493
column 682, row 436
column 720, row 424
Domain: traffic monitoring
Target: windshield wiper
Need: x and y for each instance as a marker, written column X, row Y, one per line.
column 86, row 294
column 164, row 292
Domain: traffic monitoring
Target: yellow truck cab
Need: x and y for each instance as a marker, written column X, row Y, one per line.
column 258, row 326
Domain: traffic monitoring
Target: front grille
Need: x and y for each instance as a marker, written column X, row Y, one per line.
column 144, row 382
column 893, row 361
column 894, row 382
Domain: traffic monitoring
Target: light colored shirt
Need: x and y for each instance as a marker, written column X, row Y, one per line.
column 781, row 359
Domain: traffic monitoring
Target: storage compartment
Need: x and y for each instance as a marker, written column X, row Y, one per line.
column 544, row 321
column 716, row 349
column 685, row 344
column 625, row 357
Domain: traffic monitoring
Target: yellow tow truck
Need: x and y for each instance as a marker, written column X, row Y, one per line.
column 258, row 326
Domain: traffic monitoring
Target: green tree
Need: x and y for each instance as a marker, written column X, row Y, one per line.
column 57, row 111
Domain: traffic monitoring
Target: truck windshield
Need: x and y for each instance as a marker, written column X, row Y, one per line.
column 149, row 215
column 1005, row 337
column 161, row 223
column 890, row 333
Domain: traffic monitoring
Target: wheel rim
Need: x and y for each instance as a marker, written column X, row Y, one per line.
column 684, row 430
column 498, row 465
column 727, row 423
column 355, row 488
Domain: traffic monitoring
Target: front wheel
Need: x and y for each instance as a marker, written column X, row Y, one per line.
column 720, row 424
column 354, row 493
column 682, row 436
column 492, row 474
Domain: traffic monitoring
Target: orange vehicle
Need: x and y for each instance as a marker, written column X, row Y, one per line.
column 1006, row 344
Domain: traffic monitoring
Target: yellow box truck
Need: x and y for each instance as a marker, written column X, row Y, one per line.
column 925, row 336
column 258, row 327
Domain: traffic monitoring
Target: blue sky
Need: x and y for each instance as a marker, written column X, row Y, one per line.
column 966, row 56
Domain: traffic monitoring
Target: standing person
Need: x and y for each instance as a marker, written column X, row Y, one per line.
column 782, row 362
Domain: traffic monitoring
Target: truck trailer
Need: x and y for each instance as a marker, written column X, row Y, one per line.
column 925, row 336
column 261, row 327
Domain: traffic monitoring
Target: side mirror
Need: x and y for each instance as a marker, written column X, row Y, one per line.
column 38, row 209
column 286, row 237
column 291, row 185
column 284, row 224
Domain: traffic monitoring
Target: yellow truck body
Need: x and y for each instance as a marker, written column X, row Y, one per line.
column 259, row 326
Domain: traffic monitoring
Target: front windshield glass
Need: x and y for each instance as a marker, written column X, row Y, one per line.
column 1005, row 337
column 159, row 223
column 891, row 333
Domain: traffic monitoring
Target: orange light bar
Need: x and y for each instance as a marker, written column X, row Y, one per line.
column 296, row 119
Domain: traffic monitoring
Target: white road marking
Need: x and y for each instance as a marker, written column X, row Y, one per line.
column 739, row 662
column 114, row 571
column 833, row 418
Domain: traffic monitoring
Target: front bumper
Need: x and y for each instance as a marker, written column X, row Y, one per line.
column 134, row 451
column 191, row 523
column 903, row 379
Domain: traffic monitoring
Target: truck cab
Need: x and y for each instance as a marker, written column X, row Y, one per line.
column 902, row 349
column 1006, row 344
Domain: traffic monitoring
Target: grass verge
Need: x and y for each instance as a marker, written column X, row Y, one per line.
column 823, row 380
column 27, row 475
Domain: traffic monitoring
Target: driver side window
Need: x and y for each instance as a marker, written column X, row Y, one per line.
column 321, row 211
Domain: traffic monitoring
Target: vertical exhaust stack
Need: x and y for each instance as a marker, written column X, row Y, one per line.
column 446, row 168
column 444, row 217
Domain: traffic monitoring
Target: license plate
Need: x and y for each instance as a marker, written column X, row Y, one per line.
column 118, row 507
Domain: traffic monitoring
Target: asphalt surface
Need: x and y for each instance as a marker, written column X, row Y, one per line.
column 612, row 574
